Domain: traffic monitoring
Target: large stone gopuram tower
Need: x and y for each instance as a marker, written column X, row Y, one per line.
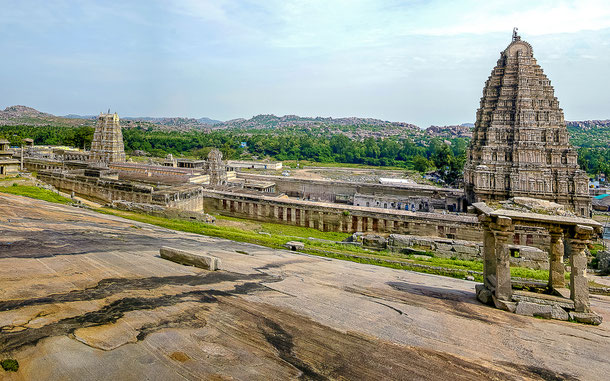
column 107, row 145
column 520, row 142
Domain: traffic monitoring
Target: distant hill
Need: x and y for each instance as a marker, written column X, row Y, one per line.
column 23, row 115
column 353, row 127
column 176, row 121
column 271, row 121
column 461, row 131
column 589, row 124
column 17, row 115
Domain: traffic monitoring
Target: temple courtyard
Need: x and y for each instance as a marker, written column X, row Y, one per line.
column 85, row 295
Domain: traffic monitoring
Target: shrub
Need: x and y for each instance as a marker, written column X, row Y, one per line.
column 10, row 365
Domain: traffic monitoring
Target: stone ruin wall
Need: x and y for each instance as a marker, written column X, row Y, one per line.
column 326, row 190
column 188, row 197
column 321, row 216
column 340, row 218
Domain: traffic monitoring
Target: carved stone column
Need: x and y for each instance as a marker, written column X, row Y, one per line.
column 556, row 251
column 489, row 257
column 390, row 226
column 579, row 285
column 321, row 221
column 503, row 231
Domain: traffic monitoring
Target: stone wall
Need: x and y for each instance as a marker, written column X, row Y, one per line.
column 337, row 191
column 186, row 197
column 523, row 256
column 343, row 218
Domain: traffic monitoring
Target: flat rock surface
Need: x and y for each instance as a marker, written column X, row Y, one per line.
column 86, row 296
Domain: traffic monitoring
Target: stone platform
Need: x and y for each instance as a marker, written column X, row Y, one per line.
column 87, row 295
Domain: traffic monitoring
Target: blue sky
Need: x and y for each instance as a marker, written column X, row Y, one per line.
column 423, row 62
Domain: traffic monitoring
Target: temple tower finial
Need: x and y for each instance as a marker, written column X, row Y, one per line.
column 516, row 36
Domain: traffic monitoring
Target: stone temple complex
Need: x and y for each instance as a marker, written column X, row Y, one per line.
column 107, row 144
column 520, row 145
column 523, row 204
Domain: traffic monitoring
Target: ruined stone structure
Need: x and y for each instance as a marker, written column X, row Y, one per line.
column 499, row 227
column 338, row 191
column 216, row 168
column 520, row 142
column 340, row 218
column 107, row 145
column 8, row 165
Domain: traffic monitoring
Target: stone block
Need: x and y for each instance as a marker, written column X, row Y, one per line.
column 470, row 250
column 559, row 313
column 586, row 317
column 504, row 304
column 534, row 309
column 483, row 294
column 202, row 261
column 444, row 253
column 294, row 245
column 444, row 246
column 374, row 241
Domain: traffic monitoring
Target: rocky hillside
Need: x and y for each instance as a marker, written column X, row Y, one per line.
column 277, row 122
column 17, row 115
column 589, row 124
column 23, row 115
column 461, row 131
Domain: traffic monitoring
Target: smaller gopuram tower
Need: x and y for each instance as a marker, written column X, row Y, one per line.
column 520, row 145
column 107, row 145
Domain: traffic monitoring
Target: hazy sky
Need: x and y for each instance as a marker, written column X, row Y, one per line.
column 423, row 62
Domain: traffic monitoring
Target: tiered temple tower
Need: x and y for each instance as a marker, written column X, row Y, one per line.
column 107, row 145
column 520, row 143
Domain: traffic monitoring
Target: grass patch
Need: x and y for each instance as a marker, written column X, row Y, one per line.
column 9, row 178
column 35, row 192
column 10, row 365
column 279, row 234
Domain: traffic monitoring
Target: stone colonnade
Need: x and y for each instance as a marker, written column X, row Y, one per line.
column 498, row 232
column 348, row 219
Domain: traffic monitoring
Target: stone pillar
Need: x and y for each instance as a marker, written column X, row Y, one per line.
column 350, row 228
column 369, row 224
column 321, row 221
column 285, row 214
column 293, row 215
column 389, row 226
column 381, row 226
column 358, row 224
column 502, row 230
column 556, row 267
column 276, row 213
column 341, row 218
column 489, row 258
column 579, row 285
column 302, row 217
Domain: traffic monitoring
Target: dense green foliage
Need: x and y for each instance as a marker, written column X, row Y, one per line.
column 419, row 151
column 593, row 148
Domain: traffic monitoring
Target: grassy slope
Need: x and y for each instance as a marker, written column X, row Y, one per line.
column 35, row 192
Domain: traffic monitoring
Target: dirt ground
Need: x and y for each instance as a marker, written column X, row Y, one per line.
column 86, row 296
